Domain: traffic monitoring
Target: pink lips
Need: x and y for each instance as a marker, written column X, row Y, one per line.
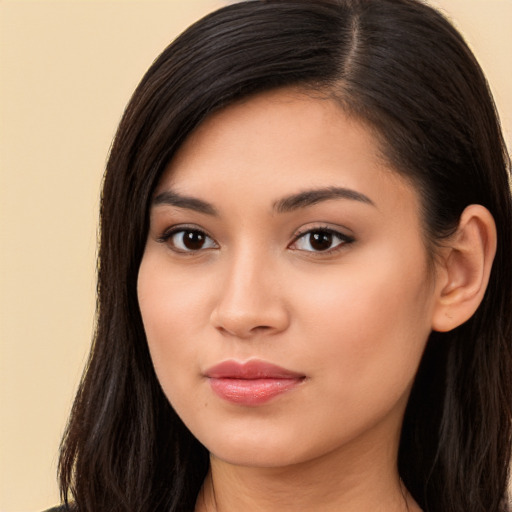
column 251, row 383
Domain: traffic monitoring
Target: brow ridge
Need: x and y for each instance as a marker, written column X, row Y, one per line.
column 169, row 197
column 290, row 203
column 311, row 197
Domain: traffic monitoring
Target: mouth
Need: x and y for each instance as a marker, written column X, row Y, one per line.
column 251, row 383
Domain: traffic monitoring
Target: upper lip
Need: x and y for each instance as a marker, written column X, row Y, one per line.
column 250, row 370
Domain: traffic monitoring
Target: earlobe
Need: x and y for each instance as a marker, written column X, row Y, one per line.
column 465, row 269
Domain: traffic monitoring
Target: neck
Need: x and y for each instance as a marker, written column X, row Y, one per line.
column 336, row 482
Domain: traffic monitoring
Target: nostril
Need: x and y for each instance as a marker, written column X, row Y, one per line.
column 243, row 331
column 261, row 328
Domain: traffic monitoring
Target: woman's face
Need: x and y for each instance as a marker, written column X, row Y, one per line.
column 284, row 286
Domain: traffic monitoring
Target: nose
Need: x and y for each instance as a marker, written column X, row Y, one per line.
column 250, row 300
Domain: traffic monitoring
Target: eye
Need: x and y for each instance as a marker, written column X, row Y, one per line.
column 320, row 240
column 188, row 240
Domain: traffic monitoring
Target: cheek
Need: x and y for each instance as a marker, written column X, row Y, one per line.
column 371, row 322
column 171, row 314
column 172, row 300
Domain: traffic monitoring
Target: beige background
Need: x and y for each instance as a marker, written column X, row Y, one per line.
column 67, row 70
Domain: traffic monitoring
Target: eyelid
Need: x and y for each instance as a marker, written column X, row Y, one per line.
column 169, row 232
column 345, row 238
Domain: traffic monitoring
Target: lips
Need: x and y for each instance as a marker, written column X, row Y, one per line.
column 251, row 383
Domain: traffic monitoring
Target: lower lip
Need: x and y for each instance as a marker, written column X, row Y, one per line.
column 252, row 391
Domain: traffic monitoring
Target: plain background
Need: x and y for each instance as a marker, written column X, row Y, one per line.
column 67, row 69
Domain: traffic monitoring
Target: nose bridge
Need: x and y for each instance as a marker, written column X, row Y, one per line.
column 250, row 299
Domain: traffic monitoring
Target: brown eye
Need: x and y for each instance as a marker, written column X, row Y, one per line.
column 321, row 240
column 190, row 240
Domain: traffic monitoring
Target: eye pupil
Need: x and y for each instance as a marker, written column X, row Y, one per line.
column 320, row 241
column 193, row 240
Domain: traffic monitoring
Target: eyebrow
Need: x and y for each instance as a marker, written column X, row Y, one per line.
column 312, row 197
column 284, row 205
column 190, row 203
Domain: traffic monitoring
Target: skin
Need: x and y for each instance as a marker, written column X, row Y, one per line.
column 353, row 319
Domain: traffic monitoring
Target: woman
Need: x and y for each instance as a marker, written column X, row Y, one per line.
column 304, row 273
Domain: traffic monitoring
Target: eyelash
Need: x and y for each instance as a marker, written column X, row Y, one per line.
column 343, row 239
column 167, row 235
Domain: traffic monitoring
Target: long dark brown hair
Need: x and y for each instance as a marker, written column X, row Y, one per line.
column 403, row 69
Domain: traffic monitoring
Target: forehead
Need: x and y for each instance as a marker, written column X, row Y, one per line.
column 281, row 142
column 288, row 117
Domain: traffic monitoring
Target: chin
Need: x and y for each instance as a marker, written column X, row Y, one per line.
column 257, row 457
column 243, row 449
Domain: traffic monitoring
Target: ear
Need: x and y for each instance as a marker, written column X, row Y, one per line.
column 464, row 269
